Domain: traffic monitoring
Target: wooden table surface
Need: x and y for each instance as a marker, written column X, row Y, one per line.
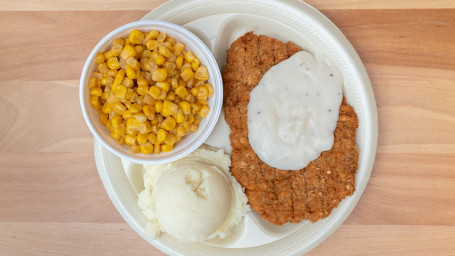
column 52, row 201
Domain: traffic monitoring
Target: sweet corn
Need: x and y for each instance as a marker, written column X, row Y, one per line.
column 128, row 51
column 189, row 57
column 204, row 111
column 178, row 48
column 169, row 123
column 166, row 148
column 152, row 34
column 141, row 138
column 158, row 106
column 119, row 77
column 116, row 49
column 94, row 101
column 187, row 74
column 169, row 108
column 179, row 61
column 147, row 148
column 155, row 91
column 136, row 37
column 113, row 63
column 96, row 91
column 201, row 73
column 195, row 64
column 140, row 91
column 161, row 135
column 159, row 75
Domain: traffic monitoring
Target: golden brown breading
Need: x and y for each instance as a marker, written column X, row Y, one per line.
column 281, row 196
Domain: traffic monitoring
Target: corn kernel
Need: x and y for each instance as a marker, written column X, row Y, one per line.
column 170, row 96
column 130, row 72
column 170, row 139
column 163, row 50
column 146, row 54
column 103, row 118
column 189, row 57
column 119, row 77
column 127, row 114
column 169, row 108
column 118, row 108
column 210, row 89
column 152, row 138
column 202, row 73
column 181, row 131
column 159, row 75
column 157, row 148
column 166, row 148
column 190, row 118
column 151, row 44
column 187, row 74
column 128, row 51
column 147, row 148
column 139, row 50
column 120, row 91
column 203, row 93
column 179, row 61
column 204, row 111
column 116, row 50
column 134, row 148
column 118, row 41
column 195, row 64
column 107, row 108
column 116, row 120
column 195, row 91
column 161, row 136
column 108, row 55
column 152, row 34
column 92, row 82
column 158, row 106
column 99, row 58
column 185, row 106
column 169, row 123
column 135, row 108
column 194, row 127
column 141, row 138
column 179, row 116
column 96, row 91
column 178, row 48
column 94, row 101
column 140, row 117
column 149, row 111
column 158, row 58
column 164, row 86
column 161, row 37
column 113, row 63
column 129, row 94
column 103, row 68
column 155, row 91
column 136, row 37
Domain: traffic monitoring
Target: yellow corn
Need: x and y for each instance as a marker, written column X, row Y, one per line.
column 116, row 120
column 190, row 118
column 146, row 54
column 131, row 61
column 189, row 57
column 120, row 91
column 158, row 58
column 129, row 94
column 169, row 123
column 99, row 58
column 141, row 138
column 140, row 117
column 113, row 63
column 161, row 37
column 94, row 101
column 108, row 55
column 159, row 75
column 187, row 74
column 130, row 72
column 201, row 73
column 119, row 77
column 179, row 61
column 112, row 72
column 135, row 108
column 96, row 91
column 185, row 106
column 128, row 82
column 147, row 148
column 181, row 131
column 107, row 108
column 142, row 89
column 204, row 111
column 151, row 44
column 130, row 140
column 152, row 34
column 166, row 148
column 163, row 50
column 195, row 106
column 170, row 139
column 169, row 108
column 178, row 48
column 118, row 108
column 181, row 91
column 152, row 138
column 202, row 93
column 155, row 91
column 102, row 68
column 161, row 135
column 103, row 118
column 158, row 106
column 92, row 82
column 170, row 40
column 164, row 86
column 195, row 64
column 149, row 111
column 128, row 51
column 179, row 116
column 126, row 114
column 136, row 37
column 116, row 50
column 195, row 91
column 118, row 41
column 134, row 148
column 210, row 89
column 139, row 50
column 194, row 127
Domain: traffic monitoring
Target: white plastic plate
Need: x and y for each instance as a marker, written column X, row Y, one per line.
column 218, row 23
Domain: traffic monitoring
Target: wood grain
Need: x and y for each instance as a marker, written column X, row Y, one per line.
column 52, row 200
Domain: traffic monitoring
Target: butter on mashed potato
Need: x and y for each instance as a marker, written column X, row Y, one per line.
column 193, row 199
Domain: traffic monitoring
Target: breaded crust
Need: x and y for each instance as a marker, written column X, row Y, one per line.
column 281, row 196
